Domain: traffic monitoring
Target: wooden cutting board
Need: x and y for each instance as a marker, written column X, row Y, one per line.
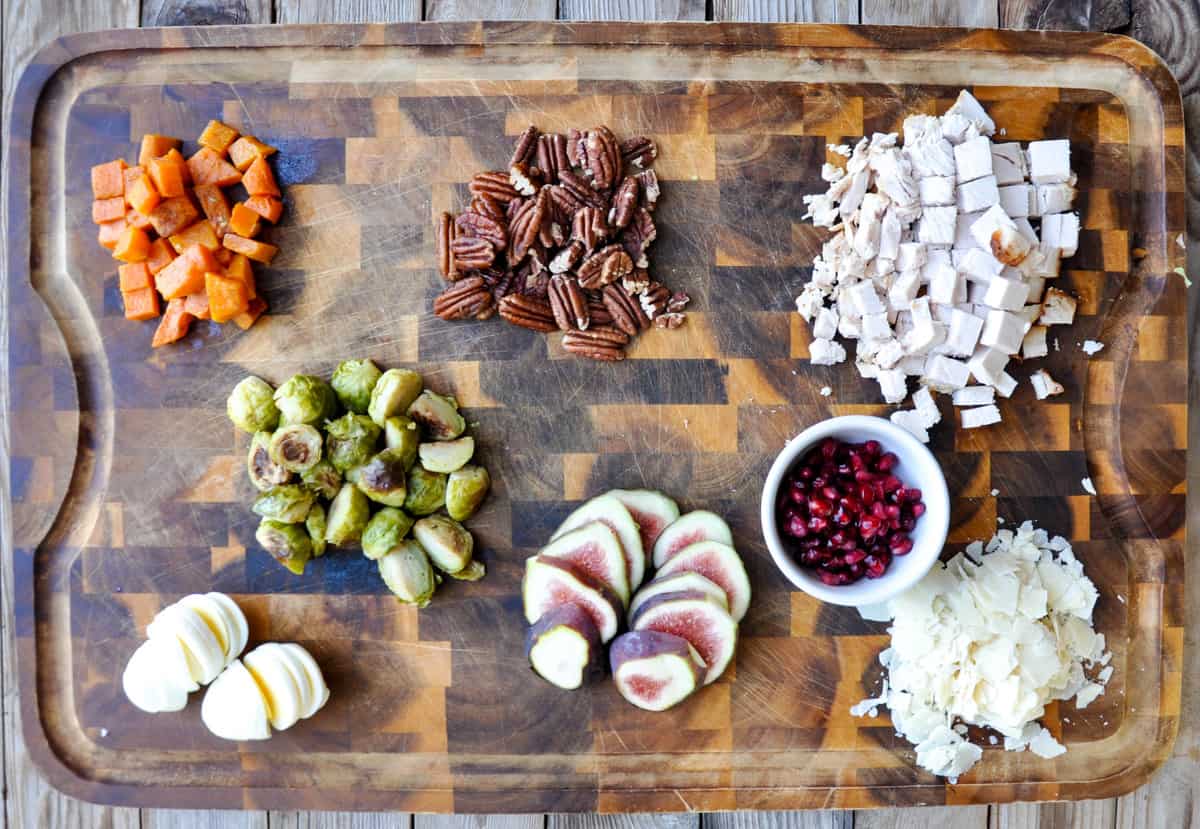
column 127, row 483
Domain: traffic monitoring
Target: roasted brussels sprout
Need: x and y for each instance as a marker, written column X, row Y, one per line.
column 426, row 491
column 264, row 473
column 384, row 532
column 315, row 524
column 322, row 478
column 399, row 432
column 382, row 479
column 350, row 441
column 406, row 572
column 305, row 399
column 288, row 504
column 289, row 544
column 447, row 543
column 396, row 390
column 438, row 415
column 347, row 516
column 353, row 381
column 472, row 572
column 296, row 447
column 251, row 406
column 448, row 455
column 465, row 491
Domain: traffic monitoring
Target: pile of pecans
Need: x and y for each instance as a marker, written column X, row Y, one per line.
column 559, row 241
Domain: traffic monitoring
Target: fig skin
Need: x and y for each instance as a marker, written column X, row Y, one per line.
column 663, row 652
column 573, row 617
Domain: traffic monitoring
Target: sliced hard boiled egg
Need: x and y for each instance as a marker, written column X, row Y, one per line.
column 156, row 678
column 213, row 615
column 234, row 706
column 319, row 692
column 279, row 687
column 204, row 654
column 235, row 622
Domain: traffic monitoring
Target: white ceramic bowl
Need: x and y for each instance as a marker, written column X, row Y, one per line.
column 918, row 468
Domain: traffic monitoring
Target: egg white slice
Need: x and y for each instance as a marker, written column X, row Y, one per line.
column 279, row 686
column 156, row 678
column 235, row 621
column 234, row 706
column 313, row 676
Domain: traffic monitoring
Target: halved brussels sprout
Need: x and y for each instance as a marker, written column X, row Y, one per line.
column 448, row 543
column 395, row 391
column 386, row 529
column 322, row 478
column 353, row 381
column 296, row 447
column 315, row 524
column 426, row 491
column 288, row 504
column 305, row 399
column 347, row 516
column 474, row 571
column 251, row 406
column 289, row 544
column 264, row 473
column 448, row 455
column 400, row 432
column 465, row 491
column 438, row 415
column 350, row 441
column 406, row 572
column 382, row 479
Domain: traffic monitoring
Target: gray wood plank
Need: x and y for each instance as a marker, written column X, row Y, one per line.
column 338, row 820
column 194, row 819
column 478, row 822
column 787, row 11
column 205, row 12
column 940, row 817
column 666, row 821
column 828, row 819
column 930, row 12
column 1080, row 15
column 346, row 11
column 1171, row 799
column 490, row 9
column 631, row 10
column 1087, row 814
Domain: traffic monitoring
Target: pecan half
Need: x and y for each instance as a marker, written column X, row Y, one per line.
column 524, row 227
column 624, row 203
column 607, row 344
column 654, row 300
column 678, row 301
column 604, row 266
column 651, row 189
column 568, row 257
column 501, row 283
column 487, row 206
column 579, row 188
column 465, row 298
column 600, row 157
column 444, row 236
column 528, row 312
column 524, row 148
column 637, row 237
column 494, row 184
column 552, row 156
column 639, row 151
column 574, row 137
column 569, row 304
column 626, row 312
column 598, row 313
column 479, row 226
column 566, row 203
column 472, row 254
column 636, row 282
column 590, row 227
column 669, row 321
column 525, row 179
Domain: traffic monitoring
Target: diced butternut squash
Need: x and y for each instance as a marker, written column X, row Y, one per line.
column 108, row 210
column 142, row 197
column 161, row 254
column 185, row 275
column 201, row 233
column 244, row 222
column 197, row 306
column 215, row 206
column 224, row 256
column 108, row 179
column 269, row 207
column 130, row 174
column 156, row 146
column 258, row 251
column 133, row 245
column 135, row 219
column 217, row 136
column 173, row 215
column 168, row 175
column 250, row 316
column 259, row 180
column 110, row 232
column 207, row 167
column 226, row 297
column 141, row 304
column 174, row 326
column 247, row 148
column 134, row 277
column 239, row 268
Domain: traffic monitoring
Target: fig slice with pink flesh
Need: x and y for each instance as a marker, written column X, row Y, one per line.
column 720, row 564
column 673, row 584
column 652, row 511
column 609, row 511
column 595, row 551
column 702, row 622
column 689, row 529
column 564, row 647
column 655, row 670
column 549, row 583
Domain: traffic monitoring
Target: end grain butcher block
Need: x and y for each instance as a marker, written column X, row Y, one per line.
column 126, row 477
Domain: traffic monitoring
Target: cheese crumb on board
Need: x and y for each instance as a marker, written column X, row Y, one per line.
column 1091, row 347
column 1088, row 486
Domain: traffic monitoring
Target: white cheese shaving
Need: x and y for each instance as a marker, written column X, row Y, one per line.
column 1088, row 486
column 1091, row 347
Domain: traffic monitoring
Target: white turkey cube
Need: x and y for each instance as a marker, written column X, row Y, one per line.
column 926, row 408
column 981, row 416
column 1061, row 231
column 975, row 294
column 936, row 190
column 967, row 106
column 973, row 159
column 910, row 256
column 933, row 157
column 984, row 229
column 855, row 191
column 913, row 365
column 1058, row 308
column 977, row 195
column 889, row 354
column 1010, row 246
column 937, row 225
column 1003, row 331
column 904, row 289
column 986, row 364
column 1050, row 161
column 1026, row 229
column 1008, row 294
column 867, row 371
column 849, row 326
column 924, row 337
column 977, row 265
column 947, row 286
column 875, row 326
column 810, row 301
column 975, row 396
column 1044, row 385
column 910, row 421
column 824, row 352
column 945, row 374
column 862, row 298
column 889, row 236
column 1014, row 199
column 1007, row 385
column 962, row 230
column 1008, row 163
column 893, row 384
column 933, row 258
column 962, row 333
column 1054, row 198
column 921, row 312
column 1037, row 284
column 870, row 222
column 1034, row 344
column 1043, row 262
column 883, row 268
column 825, row 325
column 1029, row 313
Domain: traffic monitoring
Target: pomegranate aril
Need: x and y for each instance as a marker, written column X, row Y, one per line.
column 819, row 506
column 818, row 524
column 918, row 509
column 901, row 545
column 887, row 463
column 871, row 447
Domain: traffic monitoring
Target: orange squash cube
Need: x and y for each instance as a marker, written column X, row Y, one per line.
column 207, row 167
column 259, row 180
column 161, row 254
column 226, row 297
column 108, row 210
column 269, row 207
column 201, row 233
column 244, row 222
column 239, row 268
column 130, row 174
column 172, row 215
column 174, row 326
column 133, row 245
column 185, row 275
column 168, row 176
column 110, row 232
column 258, row 251
column 247, row 148
column 250, row 316
column 156, row 146
column 108, row 179
column 215, row 206
column 197, row 306
column 134, row 277
column 142, row 197
column 135, row 219
column 217, row 136
column 141, row 304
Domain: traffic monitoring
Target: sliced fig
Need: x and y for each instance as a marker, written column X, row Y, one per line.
column 720, row 564
column 564, row 647
column 595, row 551
column 655, row 670
column 699, row 620
column 700, row 525
column 673, row 584
column 655, row 601
column 608, row 510
column 652, row 511
column 549, row 583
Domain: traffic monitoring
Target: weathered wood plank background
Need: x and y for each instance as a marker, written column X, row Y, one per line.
column 1171, row 800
